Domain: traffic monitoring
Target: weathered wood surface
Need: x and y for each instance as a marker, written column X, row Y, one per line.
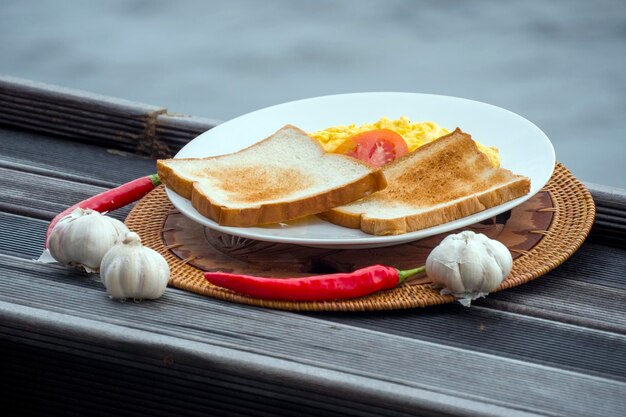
column 93, row 118
column 610, row 224
column 175, row 131
column 554, row 346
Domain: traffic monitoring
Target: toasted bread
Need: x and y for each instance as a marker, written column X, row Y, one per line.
column 283, row 177
column 442, row 181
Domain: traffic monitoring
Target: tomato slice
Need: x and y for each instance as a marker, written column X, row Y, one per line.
column 374, row 147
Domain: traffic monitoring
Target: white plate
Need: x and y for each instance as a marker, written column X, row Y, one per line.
column 524, row 149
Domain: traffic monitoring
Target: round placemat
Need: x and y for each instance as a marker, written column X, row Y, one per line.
column 541, row 234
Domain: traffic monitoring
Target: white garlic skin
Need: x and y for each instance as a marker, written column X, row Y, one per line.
column 469, row 264
column 83, row 237
column 130, row 270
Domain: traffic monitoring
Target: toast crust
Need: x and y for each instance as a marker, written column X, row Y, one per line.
column 180, row 185
column 469, row 185
column 286, row 210
column 251, row 187
column 436, row 216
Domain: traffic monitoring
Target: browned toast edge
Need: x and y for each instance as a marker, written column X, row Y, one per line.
column 288, row 210
column 469, row 205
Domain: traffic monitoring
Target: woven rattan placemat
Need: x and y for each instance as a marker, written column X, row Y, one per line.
column 564, row 210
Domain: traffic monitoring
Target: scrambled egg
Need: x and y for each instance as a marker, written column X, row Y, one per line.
column 414, row 134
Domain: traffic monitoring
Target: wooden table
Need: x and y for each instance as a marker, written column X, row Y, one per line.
column 555, row 346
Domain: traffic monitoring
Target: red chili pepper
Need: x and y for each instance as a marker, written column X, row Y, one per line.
column 111, row 199
column 358, row 283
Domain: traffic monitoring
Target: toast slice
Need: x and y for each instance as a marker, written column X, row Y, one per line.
column 442, row 181
column 283, row 177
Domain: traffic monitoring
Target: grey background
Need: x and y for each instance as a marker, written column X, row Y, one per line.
column 561, row 64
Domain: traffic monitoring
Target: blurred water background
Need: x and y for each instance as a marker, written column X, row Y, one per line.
column 560, row 64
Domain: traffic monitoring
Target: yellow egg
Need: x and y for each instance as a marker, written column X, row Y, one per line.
column 415, row 134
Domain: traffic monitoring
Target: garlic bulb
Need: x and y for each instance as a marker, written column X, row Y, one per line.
column 468, row 265
column 130, row 270
column 83, row 237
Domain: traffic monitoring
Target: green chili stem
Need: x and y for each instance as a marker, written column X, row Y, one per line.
column 407, row 273
column 155, row 179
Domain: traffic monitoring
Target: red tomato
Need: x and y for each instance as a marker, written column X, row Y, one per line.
column 374, row 147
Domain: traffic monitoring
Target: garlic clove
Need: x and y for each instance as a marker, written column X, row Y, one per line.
column 501, row 255
column 131, row 270
column 83, row 237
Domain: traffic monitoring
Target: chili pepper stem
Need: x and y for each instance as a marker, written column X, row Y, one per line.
column 156, row 181
column 407, row 273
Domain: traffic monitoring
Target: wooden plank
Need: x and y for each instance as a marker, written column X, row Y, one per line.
column 608, row 196
column 23, row 189
column 177, row 130
column 46, row 202
column 25, row 106
column 91, row 117
column 610, row 215
column 80, row 115
column 127, row 142
column 22, row 236
column 77, row 99
column 94, row 385
column 18, row 168
column 584, row 265
column 316, row 352
column 185, row 124
column 567, row 300
column 533, row 331
column 66, row 123
column 20, row 150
